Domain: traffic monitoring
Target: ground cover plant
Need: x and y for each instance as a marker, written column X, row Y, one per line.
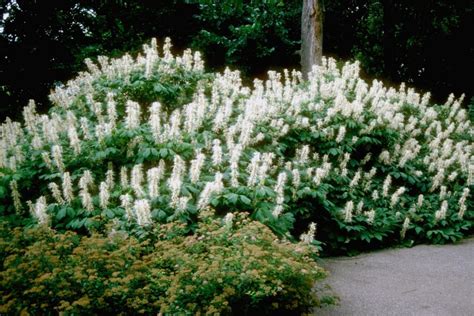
column 146, row 141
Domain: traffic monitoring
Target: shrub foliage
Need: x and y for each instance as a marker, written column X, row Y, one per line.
column 155, row 139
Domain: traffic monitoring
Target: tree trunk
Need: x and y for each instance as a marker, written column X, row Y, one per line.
column 311, row 35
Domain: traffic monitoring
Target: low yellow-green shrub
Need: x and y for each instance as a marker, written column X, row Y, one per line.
column 233, row 267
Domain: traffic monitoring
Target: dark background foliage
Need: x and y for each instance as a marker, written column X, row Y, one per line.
column 424, row 43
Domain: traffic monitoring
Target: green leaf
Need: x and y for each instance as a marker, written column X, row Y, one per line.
column 163, row 152
column 62, row 213
column 245, row 200
column 161, row 215
column 333, row 151
column 70, row 212
column 109, row 213
column 146, row 153
column 214, row 202
column 232, row 197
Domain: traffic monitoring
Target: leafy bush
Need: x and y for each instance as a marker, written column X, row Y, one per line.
column 236, row 267
column 370, row 165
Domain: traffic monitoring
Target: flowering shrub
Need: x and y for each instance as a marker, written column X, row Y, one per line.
column 156, row 139
column 237, row 268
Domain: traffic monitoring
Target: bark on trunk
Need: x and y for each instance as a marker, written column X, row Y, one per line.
column 311, row 35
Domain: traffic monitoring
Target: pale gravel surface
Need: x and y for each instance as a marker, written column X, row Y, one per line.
column 423, row 280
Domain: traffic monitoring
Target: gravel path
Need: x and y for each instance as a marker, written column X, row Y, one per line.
column 423, row 280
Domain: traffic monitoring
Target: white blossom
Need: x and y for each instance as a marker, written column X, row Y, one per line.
column 280, row 186
column 210, row 188
column 109, row 176
column 437, row 179
column 406, row 224
column 216, row 152
column 111, row 110
column 462, row 203
column 86, row 199
column 85, row 128
column 67, row 187
column 133, row 115
column 419, row 202
column 74, row 140
column 175, row 181
column 182, row 203
column 303, row 154
column 228, row 218
column 86, row 179
column 308, row 237
column 348, row 211
column 386, row 185
column 442, row 192
column 56, row 192
column 155, row 120
column 265, row 166
column 343, row 164
column 40, row 211
column 16, row 196
column 366, row 159
column 253, row 169
column 360, row 206
column 355, row 180
column 142, row 212
column 47, row 160
column 196, row 167
column 154, row 176
column 126, row 202
column 375, row 195
column 452, row 176
column 296, row 178
column 370, row 216
column 235, row 153
column 385, row 157
column 124, row 177
column 396, row 196
column 137, row 180
column 104, row 195
column 341, row 134
column 441, row 213
column 277, row 210
column 57, row 154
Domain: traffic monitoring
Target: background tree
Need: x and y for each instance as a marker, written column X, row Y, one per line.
column 311, row 34
column 45, row 42
column 251, row 35
column 39, row 41
column 426, row 44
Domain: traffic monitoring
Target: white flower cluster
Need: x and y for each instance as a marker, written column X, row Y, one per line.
column 39, row 211
column 85, row 182
column 462, row 203
column 308, row 237
column 280, row 197
column 441, row 213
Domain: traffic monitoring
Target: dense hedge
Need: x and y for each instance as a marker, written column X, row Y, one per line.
column 156, row 139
